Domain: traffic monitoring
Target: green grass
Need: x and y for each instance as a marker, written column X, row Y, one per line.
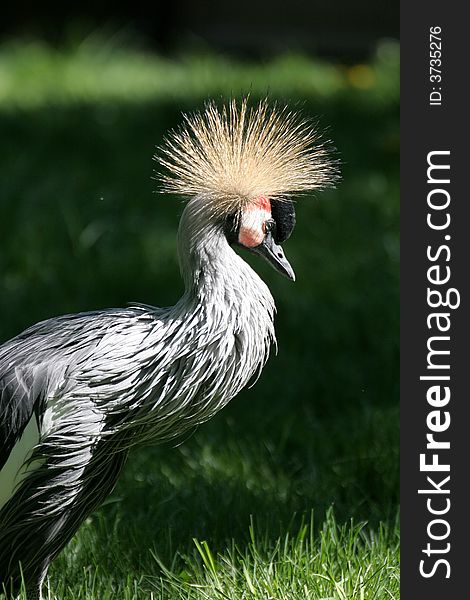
column 229, row 512
column 337, row 562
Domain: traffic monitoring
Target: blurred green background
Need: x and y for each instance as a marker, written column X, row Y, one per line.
column 82, row 227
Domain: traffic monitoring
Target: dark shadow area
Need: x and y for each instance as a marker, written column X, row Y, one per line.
column 339, row 29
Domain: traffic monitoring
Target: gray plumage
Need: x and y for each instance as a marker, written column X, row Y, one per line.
column 92, row 385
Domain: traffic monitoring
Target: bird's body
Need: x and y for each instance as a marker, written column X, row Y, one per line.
column 76, row 392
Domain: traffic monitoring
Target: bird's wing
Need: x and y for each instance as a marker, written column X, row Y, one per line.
column 36, row 361
column 26, row 362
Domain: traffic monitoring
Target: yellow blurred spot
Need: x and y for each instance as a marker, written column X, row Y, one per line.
column 361, row 76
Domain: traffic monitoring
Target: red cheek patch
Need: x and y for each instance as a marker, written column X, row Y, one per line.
column 251, row 232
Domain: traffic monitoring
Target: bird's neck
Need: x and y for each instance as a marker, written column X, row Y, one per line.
column 213, row 273
column 226, row 316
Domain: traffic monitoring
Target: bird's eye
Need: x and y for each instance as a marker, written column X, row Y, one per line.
column 269, row 226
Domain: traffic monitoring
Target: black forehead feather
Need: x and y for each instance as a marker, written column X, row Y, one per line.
column 283, row 212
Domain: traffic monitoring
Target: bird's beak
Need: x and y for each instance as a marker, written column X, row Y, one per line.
column 275, row 256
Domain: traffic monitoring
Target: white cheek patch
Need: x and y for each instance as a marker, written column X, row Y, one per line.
column 251, row 232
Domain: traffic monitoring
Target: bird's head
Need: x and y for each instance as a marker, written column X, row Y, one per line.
column 240, row 166
column 261, row 227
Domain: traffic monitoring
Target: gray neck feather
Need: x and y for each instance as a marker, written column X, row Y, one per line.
column 212, row 271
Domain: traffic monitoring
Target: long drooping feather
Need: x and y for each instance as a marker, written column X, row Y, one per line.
column 233, row 155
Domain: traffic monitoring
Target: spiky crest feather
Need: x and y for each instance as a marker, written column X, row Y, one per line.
column 232, row 156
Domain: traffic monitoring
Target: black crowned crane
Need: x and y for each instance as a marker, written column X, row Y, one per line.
column 78, row 391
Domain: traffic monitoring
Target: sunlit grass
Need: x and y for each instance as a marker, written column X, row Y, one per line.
column 333, row 562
